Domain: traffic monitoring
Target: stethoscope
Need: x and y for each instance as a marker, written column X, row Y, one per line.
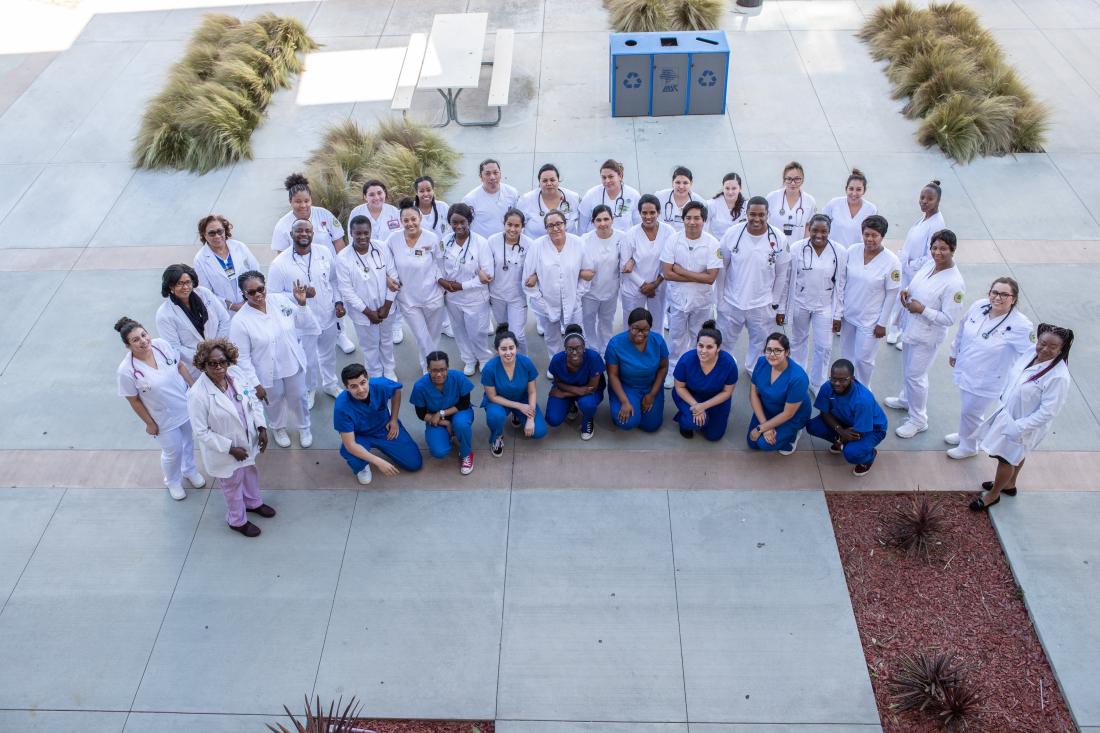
column 309, row 264
column 799, row 212
column 138, row 374
column 563, row 207
column 461, row 259
column 375, row 258
column 773, row 241
column 504, row 251
column 808, row 258
column 985, row 312
column 620, row 203
column 670, row 207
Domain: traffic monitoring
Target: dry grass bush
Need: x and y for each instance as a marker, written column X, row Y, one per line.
column 650, row 16
column 956, row 78
column 696, row 15
column 216, row 95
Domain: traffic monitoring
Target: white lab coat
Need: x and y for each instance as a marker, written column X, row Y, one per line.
column 556, row 296
column 175, row 327
column 672, row 214
column 845, row 228
column 942, row 294
column 326, row 230
column 387, row 221
column 161, row 389
column 361, row 280
column 914, row 252
column 646, row 254
column 268, row 342
column 624, row 208
column 435, row 220
column 816, row 282
column 986, row 348
column 217, row 425
column 756, row 268
column 222, row 281
column 533, row 207
column 317, row 269
column 489, row 208
column 781, row 215
column 1026, row 410
column 870, row 290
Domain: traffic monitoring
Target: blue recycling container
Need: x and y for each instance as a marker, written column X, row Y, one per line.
column 657, row 74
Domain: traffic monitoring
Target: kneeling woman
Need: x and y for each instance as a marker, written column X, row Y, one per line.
column 779, row 399
column 637, row 362
column 509, row 382
column 229, row 426
column 579, row 383
column 442, row 400
column 705, row 379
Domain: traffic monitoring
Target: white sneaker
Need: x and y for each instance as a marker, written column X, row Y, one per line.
column 892, row 336
column 196, row 479
column 398, row 335
column 669, row 381
column 469, row 368
column 177, row 493
column 305, row 437
column 281, row 438
column 951, row 439
column 899, row 346
column 908, row 429
column 549, row 375
column 896, row 403
column 345, row 343
column 364, row 475
column 959, row 454
column 332, row 390
column 538, row 329
column 311, row 398
column 447, row 330
column 794, row 445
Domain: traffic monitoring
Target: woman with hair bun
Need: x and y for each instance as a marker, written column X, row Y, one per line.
column 189, row 313
column 915, row 251
column 848, row 212
column 549, row 196
column 704, row 382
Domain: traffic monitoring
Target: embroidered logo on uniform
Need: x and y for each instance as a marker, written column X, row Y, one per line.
column 286, row 311
column 1033, row 337
column 959, row 297
column 718, row 253
column 895, row 276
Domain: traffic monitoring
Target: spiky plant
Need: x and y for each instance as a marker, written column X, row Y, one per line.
column 904, row 26
column 939, row 59
column 696, row 15
column 639, row 16
column 920, row 679
column 961, row 704
column 955, row 19
column 339, row 718
column 995, row 119
column 917, row 527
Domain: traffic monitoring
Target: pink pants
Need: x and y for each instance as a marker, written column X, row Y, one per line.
column 241, row 492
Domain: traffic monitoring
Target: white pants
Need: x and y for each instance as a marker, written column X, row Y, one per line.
column 396, row 321
column 916, row 358
column 177, row 454
column 514, row 313
column 376, row 342
column 321, row 357
column 974, row 408
column 599, row 320
column 760, row 322
column 683, row 328
column 655, row 306
column 802, row 323
column 425, row 322
column 893, row 322
column 859, row 346
column 470, row 323
column 287, row 404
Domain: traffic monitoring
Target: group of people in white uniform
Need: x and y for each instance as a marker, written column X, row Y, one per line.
column 564, row 258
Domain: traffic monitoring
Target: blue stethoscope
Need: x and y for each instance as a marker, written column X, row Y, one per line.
column 138, row 374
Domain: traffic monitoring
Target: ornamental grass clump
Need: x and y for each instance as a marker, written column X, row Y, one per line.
column 933, row 683
column 916, row 528
column 217, row 94
column 953, row 73
column 339, row 718
column 650, row 16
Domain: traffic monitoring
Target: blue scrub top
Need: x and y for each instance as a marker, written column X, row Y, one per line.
column 590, row 367
column 424, row 393
column 855, row 409
column 365, row 417
column 704, row 386
column 515, row 389
column 791, row 387
column 637, row 369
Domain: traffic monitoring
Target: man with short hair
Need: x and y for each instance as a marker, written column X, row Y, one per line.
column 365, row 415
column 850, row 418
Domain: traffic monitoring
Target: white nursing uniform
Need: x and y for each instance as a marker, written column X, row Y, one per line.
column 318, row 336
column 689, row 303
column 435, row 220
column 782, row 215
column 176, row 328
column 506, row 297
column 870, row 291
column 624, row 207
column 361, row 281
column 845, row 228
column 815, row 298
column 985, row 348
column 646, row 254
column 673, row 214
column 555, row 298
column 326, row 230
column 420, row 297
column 381, row 226
column 756, row 281
column 720, row 219
column 220, row 276
column 489, row 208
column 468, row 308
column 915, row 252
column 535, row 209
column 606, row 258
column 1026, row 411
column 163, row 392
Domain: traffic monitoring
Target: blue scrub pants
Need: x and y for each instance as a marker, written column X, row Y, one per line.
column 495, row 415
column 558, row 407
column 717, row 418
column 858, row 452
column 439, row 439
column 402, row 450
column 784, row 435
column 648, row 422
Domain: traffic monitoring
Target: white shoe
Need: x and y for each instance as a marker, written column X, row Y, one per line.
column 398, row 336
column 469, row 368
column 899, row 346
column 951, row 439
column 447, row 330
column 364, row 475
column 794, row 445
column 332, row 389
column 669, row 381
column 392, row 376
column 281, row 438
column 549, row 375
column 345, row 343
column 908, row 429
column 177, row 493
column 896, row 403
column 196, row 480
column 539, row 330
column 892, row 336
column 305, row 437
column 959, row 454
column 311, row 398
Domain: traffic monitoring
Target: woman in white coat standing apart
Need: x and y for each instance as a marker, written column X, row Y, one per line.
column 914, row 252
column 991, row 337
column 605, row 254
column 644, row 285
column 221, row 259
column 848, row 212
column 189, row 313
column 870, row 291
column 464, row 267
column 509, row 249
column 931, row 303
column 552, row 276
column 230, row 429
column 1033, row 397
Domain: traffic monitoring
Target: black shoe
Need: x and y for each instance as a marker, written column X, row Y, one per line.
column 685, row 433
column 248, row 529
column 836, row 448
column 497, row 448
column 573, row 413
column 988, row 486
column 980, row 506
column 264, row 511
column 515, row 420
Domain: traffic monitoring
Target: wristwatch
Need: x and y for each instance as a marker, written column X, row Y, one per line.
column 442, row 414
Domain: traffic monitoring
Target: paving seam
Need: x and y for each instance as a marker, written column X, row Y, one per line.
column 676, row 594
column 335, row 591
column 503, row 602
column 29, row 185
column 30, row 557
column 1053, row 162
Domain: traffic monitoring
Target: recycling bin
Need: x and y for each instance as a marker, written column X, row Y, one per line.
column 660, row 74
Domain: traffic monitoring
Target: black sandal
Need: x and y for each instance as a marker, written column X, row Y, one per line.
column 980, row 506
column 988, row 486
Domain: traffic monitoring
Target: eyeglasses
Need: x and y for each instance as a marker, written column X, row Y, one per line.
column 792, row 179
column 999, row 294
column 775, row 352
column 184, row 284
column 556, row 225
column 256, row 290
column 217, row 363
column 216, row 233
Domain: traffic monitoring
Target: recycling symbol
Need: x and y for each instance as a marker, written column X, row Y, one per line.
column 708, row 79
column 633, row 80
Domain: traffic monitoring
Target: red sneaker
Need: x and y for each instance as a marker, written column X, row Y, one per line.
column 467, row 465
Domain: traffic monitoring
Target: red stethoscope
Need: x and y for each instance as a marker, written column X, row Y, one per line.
column 138, row 374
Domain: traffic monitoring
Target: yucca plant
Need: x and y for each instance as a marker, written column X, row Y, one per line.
column 916, row 528
column 933, row 682
column 339, row 718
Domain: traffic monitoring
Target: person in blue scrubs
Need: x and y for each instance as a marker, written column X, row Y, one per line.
column 637, row 362
column 779, row 396
column 850, row 418
column 509, row 381
column 579, row 383
column 365, row 415
column 703, row 387
column 442, row 400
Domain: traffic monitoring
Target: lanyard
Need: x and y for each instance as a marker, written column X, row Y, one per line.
column 309, row 264
column 227, row 263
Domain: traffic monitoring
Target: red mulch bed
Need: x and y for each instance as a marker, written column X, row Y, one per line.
column 426, row 726
column 964, row 601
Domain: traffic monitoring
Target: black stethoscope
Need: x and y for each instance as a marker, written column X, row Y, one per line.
column 670, row 207
column 375, row 257
column 504, row 251
column 563, row 207
column 460, row 260
column 773, row 241
column 985, row 312
column 808, row 258
column 620, row 203
column 138, row 374
column 799, row 212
